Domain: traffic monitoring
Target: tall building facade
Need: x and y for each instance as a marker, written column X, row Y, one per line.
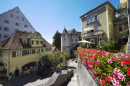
column 69, row 40
column 103, row 23
column 11, row 20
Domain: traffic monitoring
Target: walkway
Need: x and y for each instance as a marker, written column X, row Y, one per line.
column 73, row 80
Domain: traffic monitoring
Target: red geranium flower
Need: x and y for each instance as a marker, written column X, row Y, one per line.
column 107, row 79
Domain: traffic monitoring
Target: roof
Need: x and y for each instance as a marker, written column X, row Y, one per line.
column 79, row 33
column 105, row 3
column 64, row 31
column 14, row 41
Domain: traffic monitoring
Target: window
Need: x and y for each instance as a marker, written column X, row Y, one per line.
column 0, row 36
column 5, row 35
column 96, row 28
column 18, row 53
column 63, row 35
column 17, row 17
column 29, row 52
column 6, row 29
column 72, row 40
column 32, row 42
column 17, row 24
column 119, row 41
column 0, row 28
column 120, row 28
column 6, row 21
column 44, row 49
column 37, row 51
column 25, row 26
column 68, row 35
column 17, row 11
column 76, row 36
column 30, row 32
column 96, row 17
column 88, row 20
column 37, row 42
column 11, row 15
column 41, row 42
column 91, row 19
column 76, row 40
column 22, row 19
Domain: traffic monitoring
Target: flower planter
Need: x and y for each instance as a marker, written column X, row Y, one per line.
column 84, row 75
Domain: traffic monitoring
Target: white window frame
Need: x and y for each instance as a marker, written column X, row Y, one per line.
column 37, row 51
column 91, row 18
column 88, row 20
column 29, row 52
column 18, row 53
column 44, row 49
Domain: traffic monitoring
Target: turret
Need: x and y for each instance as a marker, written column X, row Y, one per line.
column 65, row 41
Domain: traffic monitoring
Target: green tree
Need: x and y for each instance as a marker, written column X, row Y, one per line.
column 57, row 40
column 65, row 56
column 54, row 58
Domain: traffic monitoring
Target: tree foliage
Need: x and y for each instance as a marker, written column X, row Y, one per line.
column 57, row 40
column 109, row 45
column 54, row 58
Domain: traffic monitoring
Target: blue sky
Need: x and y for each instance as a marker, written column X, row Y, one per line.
column 48, row 16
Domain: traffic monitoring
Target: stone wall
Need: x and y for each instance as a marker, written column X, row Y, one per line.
column 84, row 77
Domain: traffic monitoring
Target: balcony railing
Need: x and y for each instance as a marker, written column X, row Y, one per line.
column 95, row 33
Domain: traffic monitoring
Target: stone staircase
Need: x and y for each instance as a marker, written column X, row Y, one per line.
column 73, row 81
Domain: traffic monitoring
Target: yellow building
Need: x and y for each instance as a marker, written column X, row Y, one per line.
column 22, row 50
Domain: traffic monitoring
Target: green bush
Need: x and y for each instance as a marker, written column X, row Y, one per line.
column 91, row 45
column 110, row 45
column 124, row 48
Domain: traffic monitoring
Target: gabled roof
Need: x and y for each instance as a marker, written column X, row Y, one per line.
column 14, row 41
column 64, row 31
column 70, row 31
column 105, row 3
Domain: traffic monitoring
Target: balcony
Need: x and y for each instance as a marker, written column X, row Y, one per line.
column 121, row 16
column 123, row 3
column 90, row 34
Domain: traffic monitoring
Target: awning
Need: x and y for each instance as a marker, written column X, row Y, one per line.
column 84, row 41
column 88, row 29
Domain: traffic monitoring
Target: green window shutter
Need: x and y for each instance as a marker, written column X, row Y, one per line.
column 32, row 42
column 39, row 50
column 24, row 52
column 14, row 54
column 33, row 51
